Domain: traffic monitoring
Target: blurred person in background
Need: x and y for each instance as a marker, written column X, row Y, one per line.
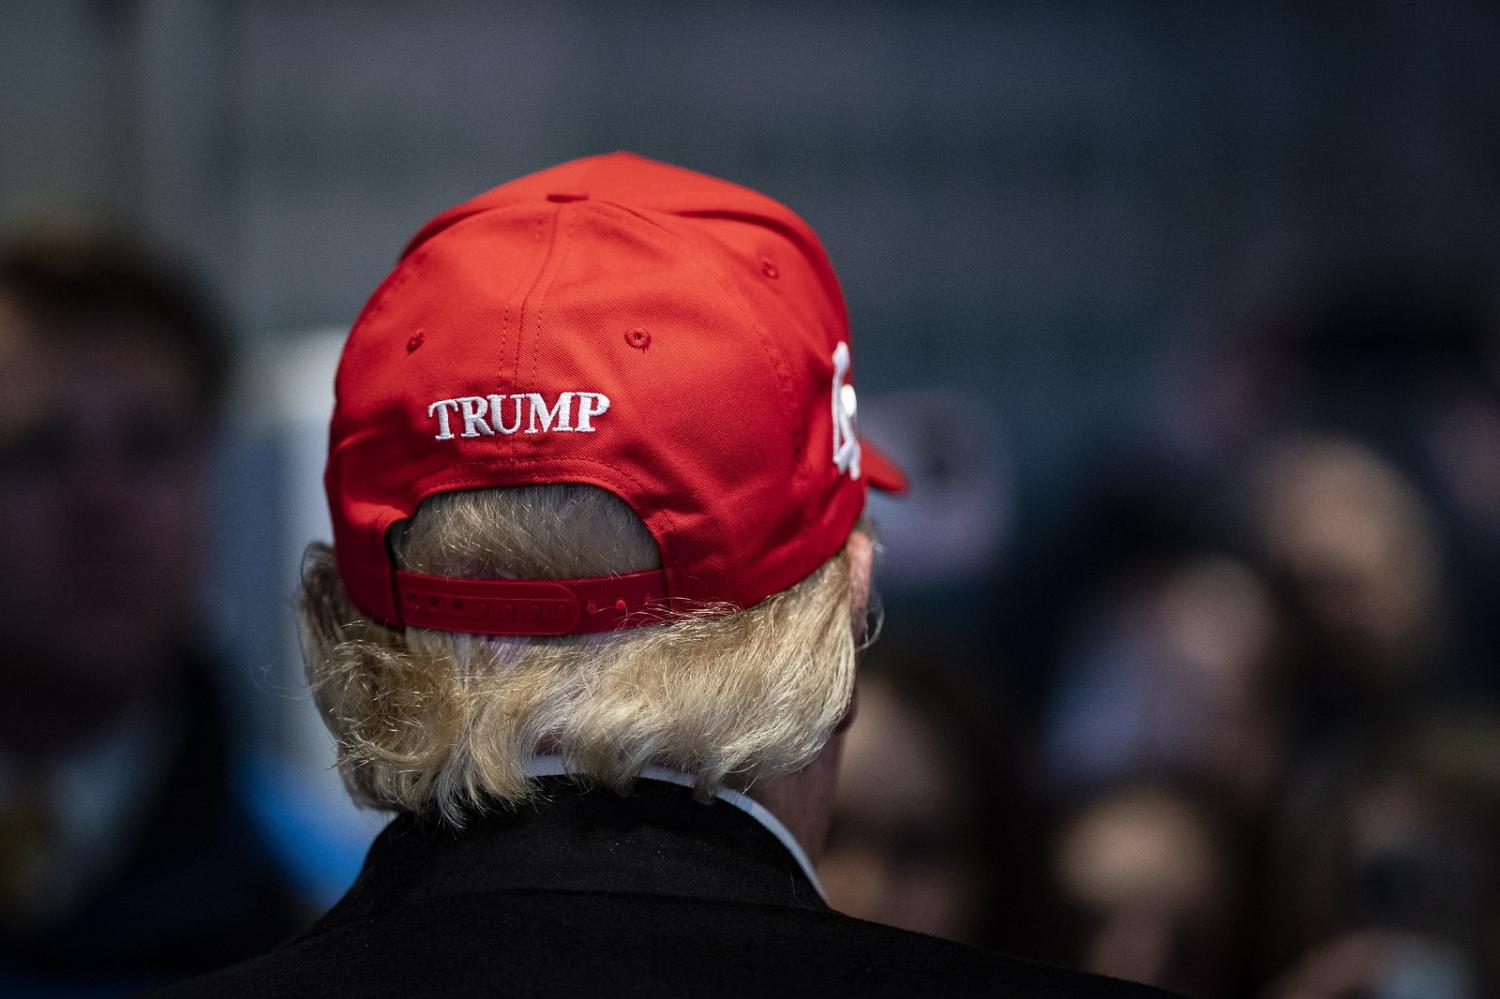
column 1385, row 872
column 1359, row 546
column 1175, row 658
column 1166, row 741
column 125, row 857
column 1400, row 361
column 1221, row 660
column 1153, row 882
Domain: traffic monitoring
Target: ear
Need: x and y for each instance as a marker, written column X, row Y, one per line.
column 861, row 563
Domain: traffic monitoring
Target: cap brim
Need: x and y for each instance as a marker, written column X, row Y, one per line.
column 883, row 473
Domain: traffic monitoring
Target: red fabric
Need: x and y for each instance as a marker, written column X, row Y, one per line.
column 706, row 313
column 532, row 606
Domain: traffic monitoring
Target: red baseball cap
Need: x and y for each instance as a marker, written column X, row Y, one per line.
column 672, row 338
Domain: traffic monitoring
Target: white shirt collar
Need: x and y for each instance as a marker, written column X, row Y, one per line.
column 552, row 765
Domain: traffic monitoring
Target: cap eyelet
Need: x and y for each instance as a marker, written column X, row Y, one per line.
column 417, row 339
column 769, row 269
column 638, row 338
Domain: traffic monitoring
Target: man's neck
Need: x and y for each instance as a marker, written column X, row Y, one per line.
column 804, row 800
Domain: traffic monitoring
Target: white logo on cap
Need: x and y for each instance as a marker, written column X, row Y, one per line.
column 845, row 407
column 485, row 415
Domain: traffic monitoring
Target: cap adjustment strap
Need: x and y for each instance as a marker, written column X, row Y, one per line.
column 530, row 607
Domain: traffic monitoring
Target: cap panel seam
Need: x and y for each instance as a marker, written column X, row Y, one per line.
column 409, row 265
column 563, row 236
column 767, row 345
column 411, row 262
column 521, row 310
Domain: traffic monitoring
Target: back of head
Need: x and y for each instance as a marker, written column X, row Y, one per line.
column 593, row 469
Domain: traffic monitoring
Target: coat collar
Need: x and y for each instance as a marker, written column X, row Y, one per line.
column 657, row 840
column 555, row 766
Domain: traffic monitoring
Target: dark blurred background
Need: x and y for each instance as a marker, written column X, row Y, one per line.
column 1185, row 318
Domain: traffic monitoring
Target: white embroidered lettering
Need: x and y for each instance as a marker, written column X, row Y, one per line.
column 484, row 415
column 561, row 408
column 497, row 414
column 441, row 409
column 474, row 407
column 590, row 405
column 845, row 438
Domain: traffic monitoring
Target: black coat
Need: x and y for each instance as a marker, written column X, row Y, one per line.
column 588, row 893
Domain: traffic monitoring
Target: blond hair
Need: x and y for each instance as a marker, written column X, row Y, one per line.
column 435, row 721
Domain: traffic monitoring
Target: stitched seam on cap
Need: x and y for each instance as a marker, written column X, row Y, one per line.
column 408, row 265
column 767, row 346
column 510, row 444
column 566, row 239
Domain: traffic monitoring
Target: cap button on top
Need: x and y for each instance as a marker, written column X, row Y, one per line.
column 562, row 196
